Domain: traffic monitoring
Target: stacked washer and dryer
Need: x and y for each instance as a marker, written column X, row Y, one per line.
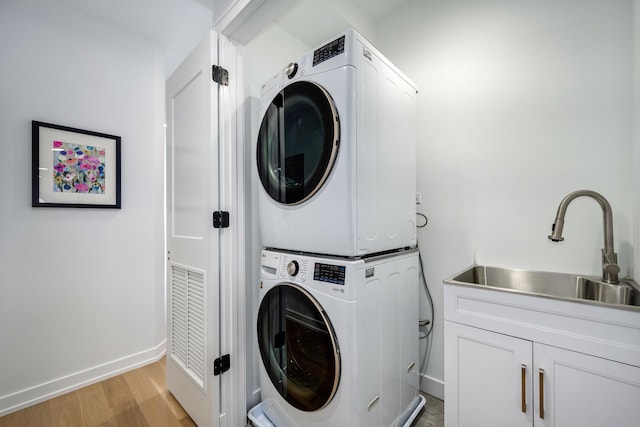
column 337, row 323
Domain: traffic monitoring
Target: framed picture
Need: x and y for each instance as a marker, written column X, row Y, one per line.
column 74, row 168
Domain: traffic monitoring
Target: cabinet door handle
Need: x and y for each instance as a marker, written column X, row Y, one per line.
column 541, row 381
column 524, row 388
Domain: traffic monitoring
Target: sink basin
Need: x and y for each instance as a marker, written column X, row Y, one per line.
column 556, row 285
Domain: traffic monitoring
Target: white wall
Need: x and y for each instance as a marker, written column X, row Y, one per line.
column 268, row 54
column 81, row 290
column 176, row 26
column 520, row 103
column 253, row 248
column 636, row 121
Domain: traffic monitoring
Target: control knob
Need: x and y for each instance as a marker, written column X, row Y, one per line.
column 292, row 268
column 291, row 70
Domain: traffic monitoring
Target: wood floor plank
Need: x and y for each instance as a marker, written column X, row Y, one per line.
column 147, row 388
column 117, row 391
column 150, row 382
column 36, row 415
column 96, row 410
column 130, row 415
column 142, row 387
column 187, row 422
column 122, row 403
column 176, row 409
column 67, row 411
column 157, row 374
column 157, row 413
column 12, row 420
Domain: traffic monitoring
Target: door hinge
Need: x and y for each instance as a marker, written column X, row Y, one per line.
column 220, row 219
column 220, row 75
column 221, row 364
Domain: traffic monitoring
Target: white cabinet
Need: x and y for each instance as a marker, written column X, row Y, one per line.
column 483, row 378
column 534, row 361
column 581, row 390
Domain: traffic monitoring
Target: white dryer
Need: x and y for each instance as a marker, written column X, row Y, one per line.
column 338, row 341
column 336, row 153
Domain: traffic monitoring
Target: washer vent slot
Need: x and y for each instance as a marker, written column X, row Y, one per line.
column 188, row 321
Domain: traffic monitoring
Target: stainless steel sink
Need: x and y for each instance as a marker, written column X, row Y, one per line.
column 555, row 285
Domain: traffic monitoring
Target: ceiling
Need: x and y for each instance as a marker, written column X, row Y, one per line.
column 176, row 26
column 157, row 20
column 163, row 20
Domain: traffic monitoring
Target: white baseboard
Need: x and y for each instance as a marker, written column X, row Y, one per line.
column 432, row 386
column 57, row 387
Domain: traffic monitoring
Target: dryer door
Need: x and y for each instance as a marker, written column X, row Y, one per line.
column 298, row 142
column 298, row 346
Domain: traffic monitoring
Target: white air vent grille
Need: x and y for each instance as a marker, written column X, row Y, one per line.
column 188, row 320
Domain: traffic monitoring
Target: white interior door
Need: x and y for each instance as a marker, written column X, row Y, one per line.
column 193, row 288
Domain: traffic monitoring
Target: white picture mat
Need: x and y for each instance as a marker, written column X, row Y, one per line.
column 45, row 166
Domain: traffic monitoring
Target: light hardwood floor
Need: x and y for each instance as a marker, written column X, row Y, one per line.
column 135, row 399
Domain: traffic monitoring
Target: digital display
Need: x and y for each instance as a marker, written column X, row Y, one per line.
column 329, row 273
column 328, row 51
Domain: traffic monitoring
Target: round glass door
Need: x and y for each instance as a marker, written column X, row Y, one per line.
column 298, row 142
column 298, row 346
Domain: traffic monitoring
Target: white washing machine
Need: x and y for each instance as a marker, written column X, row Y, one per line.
column 338, row 341
column 336, row 153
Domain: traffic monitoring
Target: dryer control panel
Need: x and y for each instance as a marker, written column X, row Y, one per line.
column 328, row 51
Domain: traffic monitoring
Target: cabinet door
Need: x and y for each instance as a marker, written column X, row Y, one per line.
column 582, row 390
column 488, row 379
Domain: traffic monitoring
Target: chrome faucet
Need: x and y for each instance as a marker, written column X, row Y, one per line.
column 610, row 267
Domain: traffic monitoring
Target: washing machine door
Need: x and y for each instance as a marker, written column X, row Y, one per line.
column 298, row 346
column 298, row 142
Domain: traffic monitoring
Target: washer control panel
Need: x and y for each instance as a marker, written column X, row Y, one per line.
column 298, row 268
column 329, row 273
column 326, row 275
column 294, row 267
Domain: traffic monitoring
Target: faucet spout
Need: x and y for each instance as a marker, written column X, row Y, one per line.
column 610, row 267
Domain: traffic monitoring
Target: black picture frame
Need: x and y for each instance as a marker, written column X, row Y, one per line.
column 74, row 168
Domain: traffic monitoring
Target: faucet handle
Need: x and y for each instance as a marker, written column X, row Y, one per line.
column 610, row 268
column 609, row 257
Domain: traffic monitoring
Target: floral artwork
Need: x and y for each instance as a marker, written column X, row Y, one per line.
column 78, row 168
column 74, row 168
